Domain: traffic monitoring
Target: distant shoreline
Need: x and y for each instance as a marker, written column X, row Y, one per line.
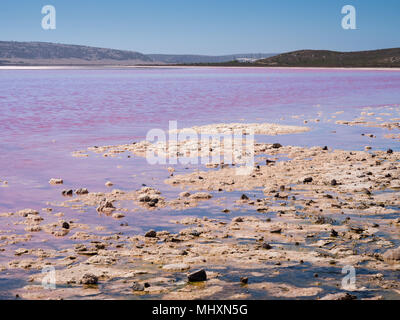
column 93, row 67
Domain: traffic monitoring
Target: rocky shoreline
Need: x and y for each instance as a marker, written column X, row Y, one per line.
column 288, row 230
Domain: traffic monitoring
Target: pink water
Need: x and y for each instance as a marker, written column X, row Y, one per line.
column 47, row 114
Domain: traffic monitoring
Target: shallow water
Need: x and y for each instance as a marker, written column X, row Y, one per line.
column 45, row 115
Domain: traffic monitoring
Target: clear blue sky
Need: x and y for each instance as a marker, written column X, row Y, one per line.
column 206, row 26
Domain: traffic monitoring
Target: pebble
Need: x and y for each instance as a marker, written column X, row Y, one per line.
column 67, row 192
column 109, row 184
column 151, row 234
column 266, row 246
column 244, row 280
column 81, row 191
column 198, row 276
column 308, row 180
column 136, row 286
column 54, row 181
column 89, row 279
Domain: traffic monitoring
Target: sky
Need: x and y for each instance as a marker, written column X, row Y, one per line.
column 213, row 27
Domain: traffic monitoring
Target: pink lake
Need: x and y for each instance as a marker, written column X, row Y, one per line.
column 45, row 115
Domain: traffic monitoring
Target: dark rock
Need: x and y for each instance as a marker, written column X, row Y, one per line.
column 136, row 286
column 334, row 183
column 276, row 230
column 145, row 199
column 81, row 191
column 153, row 202
column 357, row 229
column 308, row 180
column 65, row 225
column 244, row 280
column 366, row 191
column 334, row 233
column 151, row 234
column 67, row 193
column 238, row 219
column 195, row 233
column 89, row 279
column 266, row 246
column 325, row 148
column 276, row 146
column 198, row 276
column 244, row 197
column 390, row 151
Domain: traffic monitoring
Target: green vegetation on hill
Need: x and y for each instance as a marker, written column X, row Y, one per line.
column 387, row 58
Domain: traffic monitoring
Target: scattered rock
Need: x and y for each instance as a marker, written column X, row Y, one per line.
column 54, row 181
column 308, row 180
column 105, row 206
column 266, row 246
column 201, row 196
column 67, row 193
column 198, row 276
column 339, row 296
column 244, row 197
column 184, row 194
column 334, row 233
column 26, row 212
column 89, row 279
column 109, row 184
column 151, row 234
column 244, row 280
column 136, row 286
column 81, row 191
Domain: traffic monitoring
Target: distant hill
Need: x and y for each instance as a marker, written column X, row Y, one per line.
column 43, row 53
column 189, row 58
column 322, row 58
column 46, row 53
